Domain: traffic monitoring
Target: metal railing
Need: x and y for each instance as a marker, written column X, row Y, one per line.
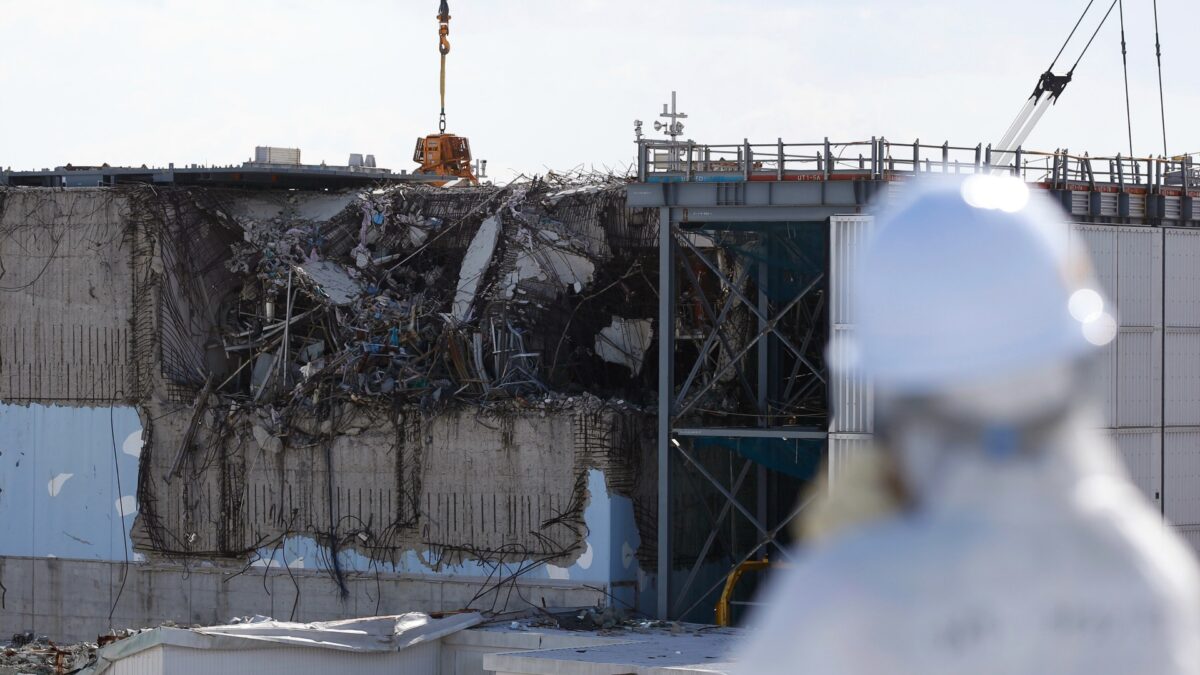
column 881, row 159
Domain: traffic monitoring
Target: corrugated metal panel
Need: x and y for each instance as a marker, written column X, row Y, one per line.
column 1139, row 384
column 1182, row 372
column 1182, row 253
column 1139, row 276
column 847, row 236
column 148, row 662
column 1141, row 451
column 1100, row 243
column 850, row 391
column 1127, row 262
column 853, row 400
column 1190, row 534
column 842, row 448
column 1103, row 383
column 1181, row 489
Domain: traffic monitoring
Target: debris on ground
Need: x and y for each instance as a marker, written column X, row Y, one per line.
column 37, row 654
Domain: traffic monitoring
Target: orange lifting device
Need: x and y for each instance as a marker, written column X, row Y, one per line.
column 442, row 153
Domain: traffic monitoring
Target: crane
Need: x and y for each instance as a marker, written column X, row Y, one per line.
column 1049, row 88
column 444, row 154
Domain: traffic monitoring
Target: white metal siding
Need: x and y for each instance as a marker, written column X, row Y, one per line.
column 1139, row 389
column 850, row 391
column 1183, row 277
column 148, row 662
column 1103, row 384
column 1141, row 451
column 419, row 658
column 1182, row 373
column 1190, row 534
column 1152, row 275
column 842, row 448
column 1181, row 491
column 1139, row 277
column 1100, row 243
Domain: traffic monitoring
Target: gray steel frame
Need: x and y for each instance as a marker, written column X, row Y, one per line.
column 778, row 182
column 675, row 406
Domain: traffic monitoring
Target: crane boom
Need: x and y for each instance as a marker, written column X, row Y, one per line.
column 1049, row 88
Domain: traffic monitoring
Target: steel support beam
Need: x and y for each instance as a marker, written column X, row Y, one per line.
column 762, row 529
column 666, row 394
column 786, row 433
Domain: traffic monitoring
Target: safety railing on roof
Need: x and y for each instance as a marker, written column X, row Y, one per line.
column 881, row 159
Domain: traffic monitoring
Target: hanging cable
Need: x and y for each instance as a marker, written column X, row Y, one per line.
column 1070, row 35
column 1125, row 69
column 1162, row 110
column 1094, row 33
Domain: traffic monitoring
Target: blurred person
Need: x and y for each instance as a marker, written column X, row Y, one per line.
column 1002, row 533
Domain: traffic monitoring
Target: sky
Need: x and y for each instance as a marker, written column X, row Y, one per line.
column 556, row 84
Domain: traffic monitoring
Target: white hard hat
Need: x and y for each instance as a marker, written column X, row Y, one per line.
column 966, row 281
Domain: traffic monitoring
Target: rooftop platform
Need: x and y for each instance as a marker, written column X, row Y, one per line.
column 249, row 174
column 812, row 181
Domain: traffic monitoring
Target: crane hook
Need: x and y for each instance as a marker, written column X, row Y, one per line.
column 443, row 18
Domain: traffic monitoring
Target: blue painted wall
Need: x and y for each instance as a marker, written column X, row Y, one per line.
column 59, row 473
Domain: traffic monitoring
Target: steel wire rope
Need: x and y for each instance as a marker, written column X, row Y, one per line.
column 1125, row 72
column 1162, row 111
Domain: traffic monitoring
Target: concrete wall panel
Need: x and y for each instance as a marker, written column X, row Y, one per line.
column 70, row 600
column 67, row 300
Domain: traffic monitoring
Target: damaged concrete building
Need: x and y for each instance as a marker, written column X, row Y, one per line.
column 315, row 404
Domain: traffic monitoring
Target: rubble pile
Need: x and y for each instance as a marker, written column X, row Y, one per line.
column 27, row 653
column 407, row 297
column 279, row 325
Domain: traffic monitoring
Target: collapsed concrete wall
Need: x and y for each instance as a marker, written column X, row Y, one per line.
column 410, row 380
column 75, row 600
column 464, row 484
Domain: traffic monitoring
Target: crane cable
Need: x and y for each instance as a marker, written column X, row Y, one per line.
column 1162, row 111
column 1094, row 33
column 1070, row 35
column 1125, row 69
column 444, row 49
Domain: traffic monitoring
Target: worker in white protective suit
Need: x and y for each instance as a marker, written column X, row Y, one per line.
column 1016, row 543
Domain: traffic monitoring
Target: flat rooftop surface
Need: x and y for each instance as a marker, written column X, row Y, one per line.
column 703, row 649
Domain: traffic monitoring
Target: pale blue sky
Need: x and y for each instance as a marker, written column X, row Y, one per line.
column 542, row 83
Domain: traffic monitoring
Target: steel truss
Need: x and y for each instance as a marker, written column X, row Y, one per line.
column 742, row 320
